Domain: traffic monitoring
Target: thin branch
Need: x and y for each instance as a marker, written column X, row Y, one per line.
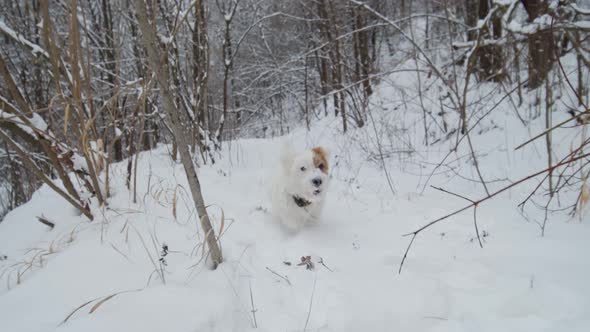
column 475, row 224
column 401, row 31
column 310, row 304
column 469, row 130
column 399, row 271
column 452, row 193
column 280, row 276
column 252, row 303
column 477, row 202
column 31, row 165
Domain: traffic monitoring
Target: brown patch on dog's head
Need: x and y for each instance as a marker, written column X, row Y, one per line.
column 320, row 159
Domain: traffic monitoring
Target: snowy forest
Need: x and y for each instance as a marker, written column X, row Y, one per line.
column 138, row 139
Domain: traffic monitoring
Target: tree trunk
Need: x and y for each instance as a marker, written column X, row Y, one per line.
column 471, row 18
column 201, row 73
column 490, row 56
column 161, row 70
column 541, row 55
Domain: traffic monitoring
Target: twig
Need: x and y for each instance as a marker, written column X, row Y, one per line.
column 577, row 116
column 402, row 32
column 399, row 271
column 452, row 193
column 235, row 291
column 31, row 165
column 120, row 253
column 476, row 164
column 280, row 276
column 546, row 215
column 380, row 149
column 45, row 221
column 572, row 153
column 475, row 224
column 321, row 261
column 310, row 303
column 156, row 268
column 580, row 99
column 557, row 57
column 476, row 203
column 252, row 303
column 474, row 210
column 469, row 130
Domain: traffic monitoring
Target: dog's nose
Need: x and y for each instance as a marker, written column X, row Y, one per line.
column 317, row 182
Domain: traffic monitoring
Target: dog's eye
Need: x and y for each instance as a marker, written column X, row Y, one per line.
column 321, row 167
column 303, row 168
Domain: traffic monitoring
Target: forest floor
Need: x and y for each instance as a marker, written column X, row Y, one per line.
column 519, row 281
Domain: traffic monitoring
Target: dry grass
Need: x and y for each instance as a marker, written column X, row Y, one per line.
column 99, row 301
column 35, row 258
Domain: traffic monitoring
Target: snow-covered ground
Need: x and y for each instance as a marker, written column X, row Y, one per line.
column 519, row 281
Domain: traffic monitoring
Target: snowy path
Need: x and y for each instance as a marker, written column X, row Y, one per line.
column 518, row 282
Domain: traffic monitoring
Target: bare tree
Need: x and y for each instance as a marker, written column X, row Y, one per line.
column 541, row 52
column 159, row 64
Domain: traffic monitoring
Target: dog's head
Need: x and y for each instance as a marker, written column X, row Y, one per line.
column 306, row 173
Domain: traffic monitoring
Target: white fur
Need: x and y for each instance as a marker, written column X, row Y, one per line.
column 291, row 181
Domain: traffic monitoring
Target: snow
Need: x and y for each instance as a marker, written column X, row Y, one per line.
column 518, row 27
column 519, row 281
column 582, row 24
column 36, row 49
column 79, row 163
column 165, row 39
column 504, row 2
column 584, row 11
column 36, row 121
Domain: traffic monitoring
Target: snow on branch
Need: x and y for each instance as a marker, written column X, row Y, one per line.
column 583, row 11
column 34, row 48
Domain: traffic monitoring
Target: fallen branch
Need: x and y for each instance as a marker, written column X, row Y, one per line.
column 565, row 161
column 474, row 211
column 44, row 221
column 31, row 165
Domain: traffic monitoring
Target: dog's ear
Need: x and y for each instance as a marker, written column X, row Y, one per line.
column 321, row 152
column 320, row 158
column 324, row 151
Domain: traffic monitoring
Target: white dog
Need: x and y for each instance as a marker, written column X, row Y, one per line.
column 299, row 188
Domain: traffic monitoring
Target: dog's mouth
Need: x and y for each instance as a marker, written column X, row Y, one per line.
column 300, row 201
column 317, row 192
